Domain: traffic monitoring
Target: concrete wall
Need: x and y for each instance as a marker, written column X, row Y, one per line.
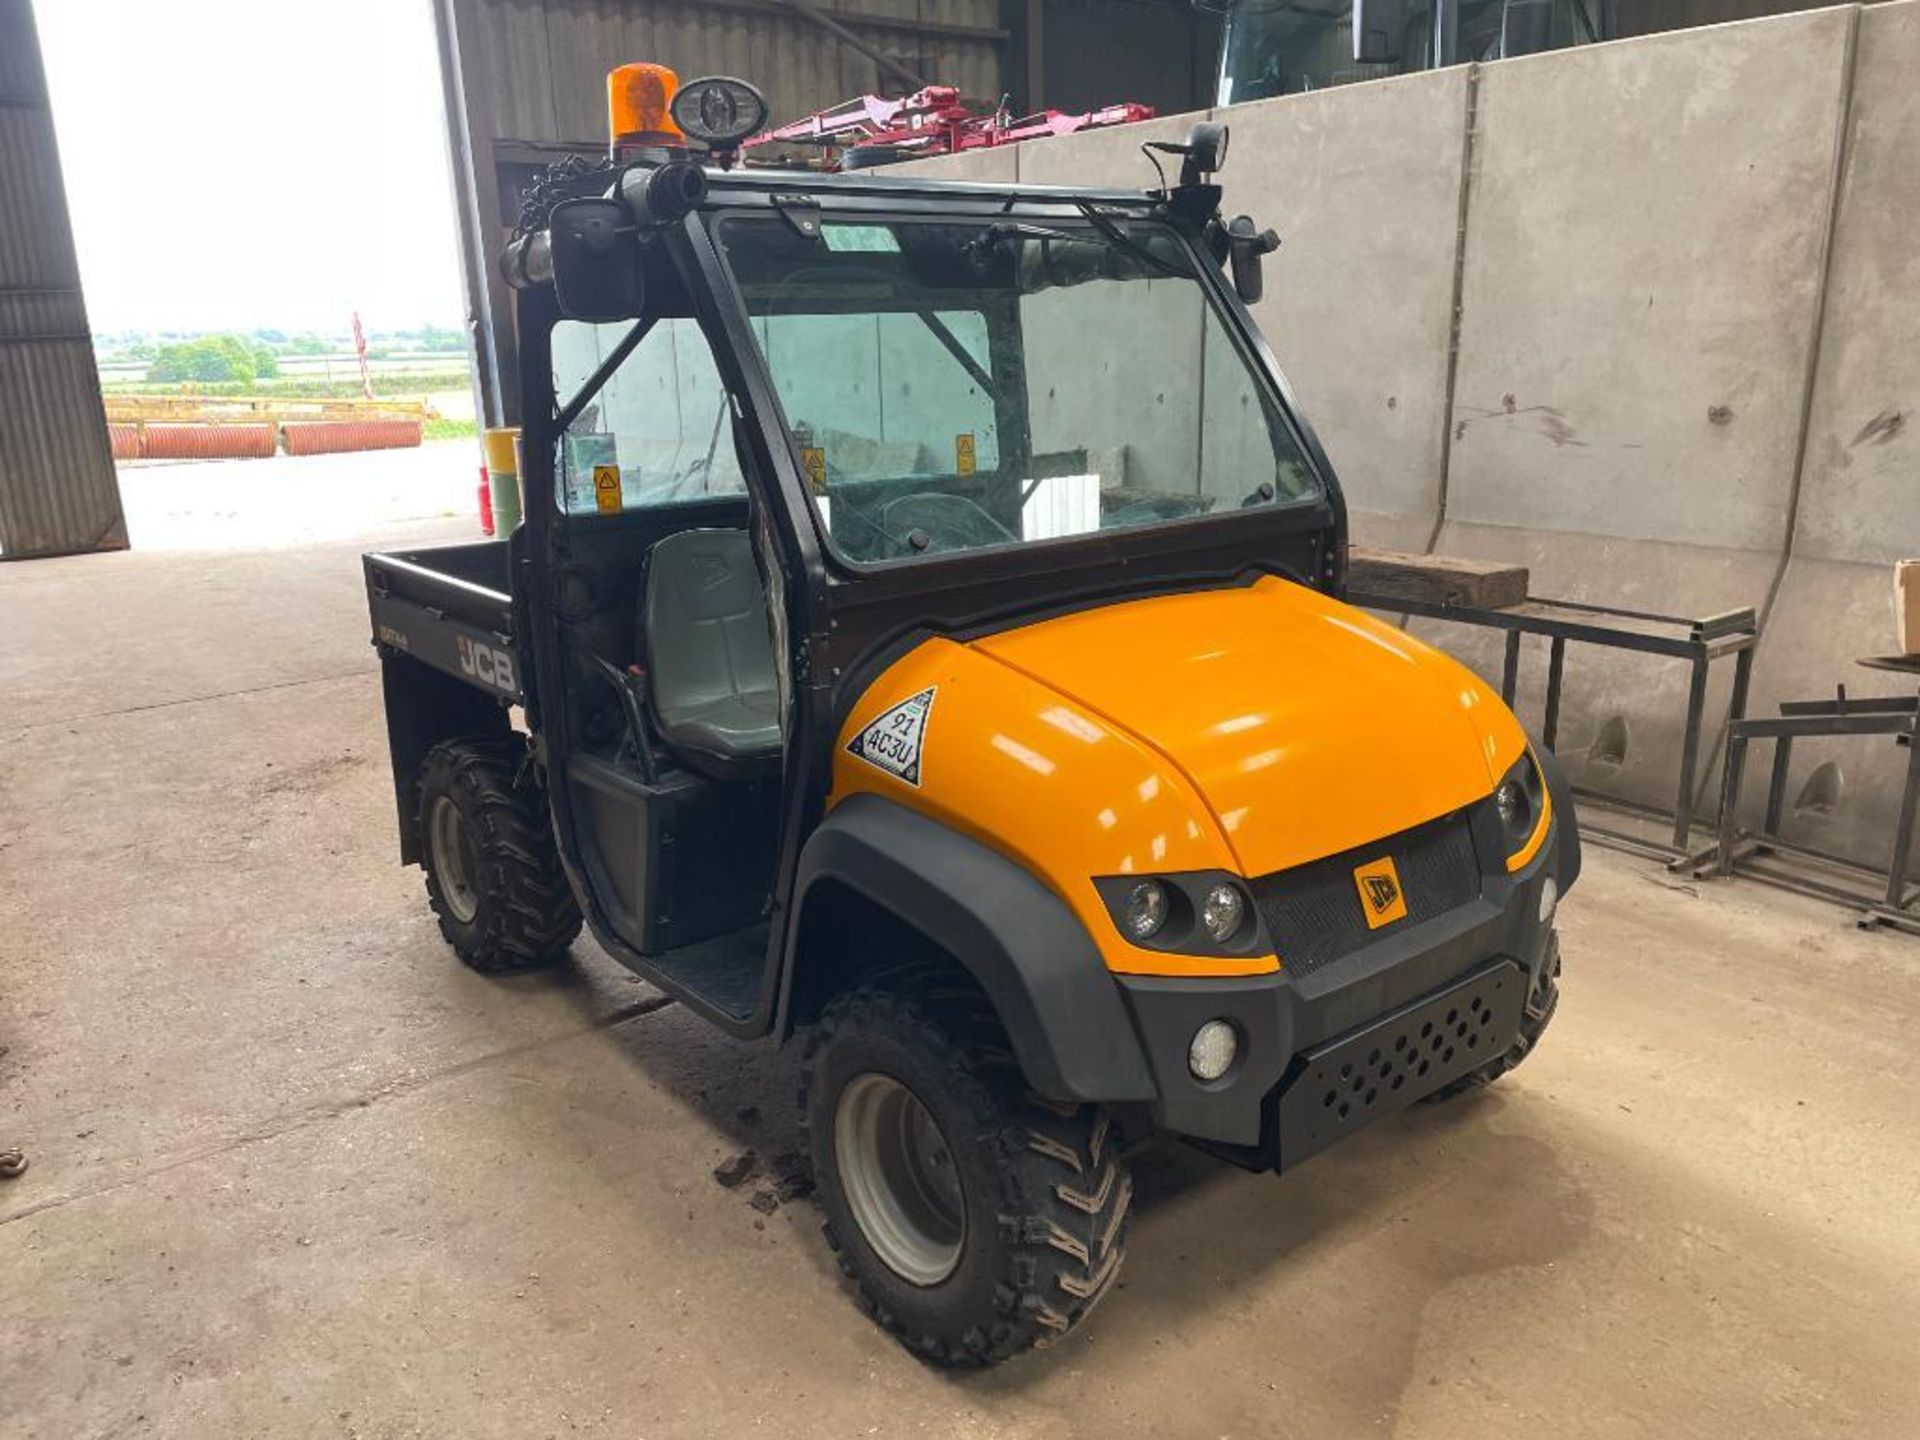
column 1859, row 501
column 1641, row 316
column 1639, row 307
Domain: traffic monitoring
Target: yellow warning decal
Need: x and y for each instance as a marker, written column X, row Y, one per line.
column 963, row 460
column 606, row 489
column 813, row 460
column 1381, row 899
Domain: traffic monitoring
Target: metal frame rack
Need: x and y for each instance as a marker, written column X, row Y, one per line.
column 1898, row 716
column 1699, row 642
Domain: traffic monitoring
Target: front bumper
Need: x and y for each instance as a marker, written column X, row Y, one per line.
column 1320, row 1053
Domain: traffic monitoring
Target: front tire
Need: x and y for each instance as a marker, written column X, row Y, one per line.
column 493, row 872
column 975, row 1221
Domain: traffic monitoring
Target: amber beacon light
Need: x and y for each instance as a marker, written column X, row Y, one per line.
column 638, row 101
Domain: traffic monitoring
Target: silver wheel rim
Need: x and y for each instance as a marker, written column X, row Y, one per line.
column 453, row 860
column 900, row 1179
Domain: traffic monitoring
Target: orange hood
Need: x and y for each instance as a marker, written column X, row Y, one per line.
column 1306, row 726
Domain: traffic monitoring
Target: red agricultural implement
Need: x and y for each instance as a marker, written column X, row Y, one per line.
column 874, row 130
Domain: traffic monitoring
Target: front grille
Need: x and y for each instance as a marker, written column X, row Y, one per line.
column 1312, row 912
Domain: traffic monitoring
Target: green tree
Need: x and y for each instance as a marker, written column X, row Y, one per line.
column 211, row 358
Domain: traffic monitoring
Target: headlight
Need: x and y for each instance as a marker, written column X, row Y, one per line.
column 1515, row 813
column 1522, row 802
column 1145, row 910
column 1221, row 912
column 1191, row 912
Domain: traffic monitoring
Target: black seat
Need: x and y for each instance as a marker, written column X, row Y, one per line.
column 712, row 683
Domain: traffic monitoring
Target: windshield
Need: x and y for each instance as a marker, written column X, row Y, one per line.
column 959, row 385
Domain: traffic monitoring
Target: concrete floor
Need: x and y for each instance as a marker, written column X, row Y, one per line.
column 296, row 1172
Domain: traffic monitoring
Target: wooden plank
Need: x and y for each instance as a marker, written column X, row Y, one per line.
column 1436, row 579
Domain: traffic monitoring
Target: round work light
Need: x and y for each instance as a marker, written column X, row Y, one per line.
column 719, row 110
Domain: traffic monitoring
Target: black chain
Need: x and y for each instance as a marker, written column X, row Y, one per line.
column 562, row 180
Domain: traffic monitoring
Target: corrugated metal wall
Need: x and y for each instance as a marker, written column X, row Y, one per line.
column 546, row 60
column 1163, row 53
column 58, row 490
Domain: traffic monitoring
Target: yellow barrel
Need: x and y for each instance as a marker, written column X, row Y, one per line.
column 503, row 477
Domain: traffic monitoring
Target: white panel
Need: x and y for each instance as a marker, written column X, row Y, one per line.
column 1062, row 505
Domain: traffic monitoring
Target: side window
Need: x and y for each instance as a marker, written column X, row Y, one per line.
column 656, row 433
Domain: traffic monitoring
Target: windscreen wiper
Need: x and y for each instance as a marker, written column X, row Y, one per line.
column 1003, row 230
column 1119, row 238
column 1110, row 233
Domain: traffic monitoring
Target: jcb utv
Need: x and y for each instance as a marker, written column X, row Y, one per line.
column 925, row 637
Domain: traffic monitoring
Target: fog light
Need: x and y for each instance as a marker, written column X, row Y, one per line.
column 1549, row 900
column 1211, row 1053
column 1221, row 913
column 1146, row 909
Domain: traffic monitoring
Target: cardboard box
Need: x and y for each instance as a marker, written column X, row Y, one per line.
column 1906, row 605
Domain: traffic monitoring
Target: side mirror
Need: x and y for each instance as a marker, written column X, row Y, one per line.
column 1526, row 27
column 1378, row 29
column 596, row 269
column 1247, row 248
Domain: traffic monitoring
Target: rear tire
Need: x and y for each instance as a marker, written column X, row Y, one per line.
column 975, row 1220
column 493, row 872
column 1542, row 1001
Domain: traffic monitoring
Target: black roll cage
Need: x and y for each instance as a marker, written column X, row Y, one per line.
column 846, row 622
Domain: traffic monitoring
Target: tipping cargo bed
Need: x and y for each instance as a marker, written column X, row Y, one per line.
column 448, row 606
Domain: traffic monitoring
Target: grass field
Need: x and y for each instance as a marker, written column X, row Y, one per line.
column 440, row 429
column 406, row 385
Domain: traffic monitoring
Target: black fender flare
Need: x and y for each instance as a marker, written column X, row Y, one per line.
column 1566, row 860
column 1060, row 1004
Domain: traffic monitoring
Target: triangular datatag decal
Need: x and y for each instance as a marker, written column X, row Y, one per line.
column 893, row 741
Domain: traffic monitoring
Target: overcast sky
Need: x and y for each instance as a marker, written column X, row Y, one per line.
column 244, row 164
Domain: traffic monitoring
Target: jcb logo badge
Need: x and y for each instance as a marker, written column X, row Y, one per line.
column 487, row 665
column 1381, row 899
